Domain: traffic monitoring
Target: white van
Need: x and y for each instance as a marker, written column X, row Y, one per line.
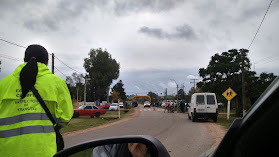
column 203, row 105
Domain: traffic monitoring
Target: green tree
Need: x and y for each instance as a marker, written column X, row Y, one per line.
column 102, row 69
column 75, row 85
column 118, row 87
column 181, row 94
column 153, row 96
column 224, row 71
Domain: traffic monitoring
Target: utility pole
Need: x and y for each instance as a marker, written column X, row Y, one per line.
column 108, row 94
column 176, row 90
column 85, row 92
column 0, row 67
column 176, row 94
column 94, row 94
column 243, row 81
column 77, row 92
column 166, row 98
column 194, row 81
column 52, row 68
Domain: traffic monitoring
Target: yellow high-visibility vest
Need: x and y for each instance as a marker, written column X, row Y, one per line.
column 25, row 129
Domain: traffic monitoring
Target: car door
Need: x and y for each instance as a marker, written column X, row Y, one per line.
column 200, row 103
column 88, row 111
column 210, row 103
column 96, row 109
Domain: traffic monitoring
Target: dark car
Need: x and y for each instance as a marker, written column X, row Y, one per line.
column 89, row 110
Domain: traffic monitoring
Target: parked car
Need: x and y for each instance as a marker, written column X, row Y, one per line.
column 121, row 105
column 105, row 105
column 203, row 105
column 89, row 110
column 113, row 107
column 146, row 104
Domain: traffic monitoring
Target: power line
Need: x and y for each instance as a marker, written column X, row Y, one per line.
column 272, row 60
column 13, row 43
column 60, row 71
column 260, row 25
column 9, row 57
column 67, row 65
column 267, row 58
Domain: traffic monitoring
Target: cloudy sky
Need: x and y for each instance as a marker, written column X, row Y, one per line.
column 155, row 41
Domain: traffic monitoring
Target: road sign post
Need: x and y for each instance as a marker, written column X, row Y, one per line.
column 228, row 110
column 229, row 94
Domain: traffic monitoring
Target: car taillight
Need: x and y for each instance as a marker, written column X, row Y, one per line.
column 195, row 110
column 216, row 109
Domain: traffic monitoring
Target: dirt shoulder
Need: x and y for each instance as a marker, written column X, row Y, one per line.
column 133, row 115
column 217, row 132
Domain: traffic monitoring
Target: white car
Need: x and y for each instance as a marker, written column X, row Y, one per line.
column 146, row 104
column 121, row 104
column 113, row 107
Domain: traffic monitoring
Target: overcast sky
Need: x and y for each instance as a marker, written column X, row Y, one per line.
column 155, row 41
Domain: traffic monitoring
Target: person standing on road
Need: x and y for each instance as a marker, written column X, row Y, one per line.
column 25, row 129
column 182, row 106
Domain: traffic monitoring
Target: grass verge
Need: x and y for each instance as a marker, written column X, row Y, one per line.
column 222, row 120
column 84, row 122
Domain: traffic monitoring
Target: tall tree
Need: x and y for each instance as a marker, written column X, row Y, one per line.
column 101, row 69
column 75, row 84
column 181, row 94
column 153, row 96
column 118, row 87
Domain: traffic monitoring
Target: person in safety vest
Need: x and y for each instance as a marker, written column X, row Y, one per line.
column 25, row 129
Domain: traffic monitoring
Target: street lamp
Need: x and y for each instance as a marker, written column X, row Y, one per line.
column 177, row 91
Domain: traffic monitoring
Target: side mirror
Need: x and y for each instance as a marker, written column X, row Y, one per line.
column 136, row 146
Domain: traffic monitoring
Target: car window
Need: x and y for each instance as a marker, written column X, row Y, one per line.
column 210, row 99
column 94, row 107
column 200, row 100
column 88, row 107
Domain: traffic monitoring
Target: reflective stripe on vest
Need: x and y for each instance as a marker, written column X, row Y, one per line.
column 26, row 130
column 24, row 117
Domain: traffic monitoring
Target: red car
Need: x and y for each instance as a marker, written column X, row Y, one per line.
column 89, row 110
column 104, row 106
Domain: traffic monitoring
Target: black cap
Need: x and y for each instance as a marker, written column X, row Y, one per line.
column 37, row 51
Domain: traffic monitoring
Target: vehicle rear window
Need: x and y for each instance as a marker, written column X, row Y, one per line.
column 200, row 100
column 210, row 100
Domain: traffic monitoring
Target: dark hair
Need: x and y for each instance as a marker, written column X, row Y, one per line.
column 28, row 74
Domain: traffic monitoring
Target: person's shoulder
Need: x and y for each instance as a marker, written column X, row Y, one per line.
column 58, row 79
column 6, row 79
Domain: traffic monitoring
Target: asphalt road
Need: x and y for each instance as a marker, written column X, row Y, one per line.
column 180, row 136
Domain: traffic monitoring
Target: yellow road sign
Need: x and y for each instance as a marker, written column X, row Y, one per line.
column 229, row 94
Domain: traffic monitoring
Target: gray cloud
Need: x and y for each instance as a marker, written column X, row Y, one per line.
column 181, row 32
column 123, row 7
column 64, row 11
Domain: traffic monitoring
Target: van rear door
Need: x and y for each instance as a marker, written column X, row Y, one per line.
column 200, row 104
column 211, row 103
